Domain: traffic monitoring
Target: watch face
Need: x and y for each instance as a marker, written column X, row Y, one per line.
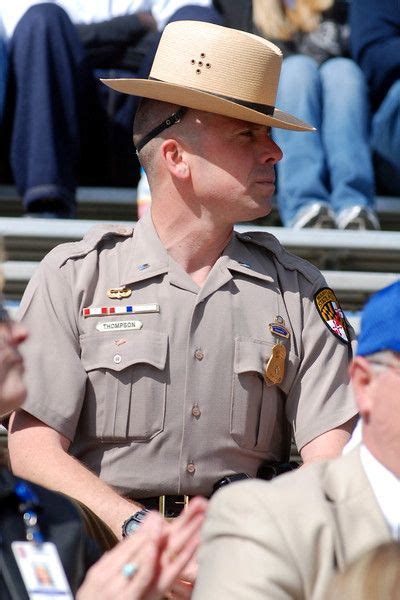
column 134, row 522
column 131, row 526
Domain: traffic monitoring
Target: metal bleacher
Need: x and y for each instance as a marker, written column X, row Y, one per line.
column 355, row 263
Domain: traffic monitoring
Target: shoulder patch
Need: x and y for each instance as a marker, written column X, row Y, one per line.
column 331, row 313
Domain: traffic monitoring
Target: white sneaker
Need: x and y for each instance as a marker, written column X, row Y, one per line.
column 317, row 215
column 357, row 218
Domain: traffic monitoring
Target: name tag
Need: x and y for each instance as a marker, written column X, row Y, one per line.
column 41, row 571
column 119, row 325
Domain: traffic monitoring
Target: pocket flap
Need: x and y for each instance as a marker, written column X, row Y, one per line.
column 99, row 351
column 251, row 354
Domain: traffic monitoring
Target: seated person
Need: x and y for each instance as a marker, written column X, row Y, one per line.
column 158, row 398
column 64, row 127
column 285, row 539
column 325, row 178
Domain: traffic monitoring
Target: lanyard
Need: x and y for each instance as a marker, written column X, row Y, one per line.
column 28, row 505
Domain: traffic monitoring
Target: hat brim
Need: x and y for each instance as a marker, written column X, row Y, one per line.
column 199, row 100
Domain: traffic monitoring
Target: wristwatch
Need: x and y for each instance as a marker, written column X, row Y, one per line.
column 133, row 522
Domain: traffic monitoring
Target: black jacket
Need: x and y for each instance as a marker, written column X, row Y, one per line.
column 59, row 522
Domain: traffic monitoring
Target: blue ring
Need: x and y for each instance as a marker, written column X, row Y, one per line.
column 129, row 570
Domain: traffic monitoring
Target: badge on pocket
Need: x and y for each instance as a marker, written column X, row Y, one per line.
column 41, row 571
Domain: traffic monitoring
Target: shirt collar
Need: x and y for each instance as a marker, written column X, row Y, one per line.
column 386, row 487
column 150, row 258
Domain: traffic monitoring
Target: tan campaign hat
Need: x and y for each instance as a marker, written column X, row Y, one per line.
column 216, row 69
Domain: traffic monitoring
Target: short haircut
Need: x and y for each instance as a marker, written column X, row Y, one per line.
column 149, row 114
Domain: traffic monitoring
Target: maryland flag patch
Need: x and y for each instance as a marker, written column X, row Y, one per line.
column 331, row 313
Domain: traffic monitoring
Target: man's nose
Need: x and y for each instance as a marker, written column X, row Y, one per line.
column 271, row 153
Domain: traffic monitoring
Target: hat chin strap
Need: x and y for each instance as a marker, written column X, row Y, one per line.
column 168, row 122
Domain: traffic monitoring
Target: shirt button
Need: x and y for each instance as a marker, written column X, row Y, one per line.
column 117, row 359
column 199, row 354
column 196, row 412
column 190, row 468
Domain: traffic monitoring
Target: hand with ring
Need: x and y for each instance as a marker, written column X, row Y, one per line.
column 145, row 565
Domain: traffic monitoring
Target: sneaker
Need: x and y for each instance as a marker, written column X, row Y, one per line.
column 317, row 215
column 357, row 218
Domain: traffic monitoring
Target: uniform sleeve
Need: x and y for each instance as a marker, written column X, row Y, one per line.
column 54, row 373
column 243, row 553
column 320, row 397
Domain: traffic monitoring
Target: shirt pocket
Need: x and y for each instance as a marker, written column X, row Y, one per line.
column 257, row 418
column 126, row 388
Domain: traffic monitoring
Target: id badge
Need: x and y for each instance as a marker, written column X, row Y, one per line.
column 42, row 571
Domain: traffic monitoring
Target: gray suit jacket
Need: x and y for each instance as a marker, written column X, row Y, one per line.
column 284, row 539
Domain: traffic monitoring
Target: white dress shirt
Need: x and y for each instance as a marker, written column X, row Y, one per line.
column 386, row 488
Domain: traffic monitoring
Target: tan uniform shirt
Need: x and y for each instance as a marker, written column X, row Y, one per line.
column 180, row 402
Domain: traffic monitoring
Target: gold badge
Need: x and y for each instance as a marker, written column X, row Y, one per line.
column 331, row 313
column 118, row 293
column 275, row 368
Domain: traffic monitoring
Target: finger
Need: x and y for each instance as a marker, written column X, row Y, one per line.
column 171, row 570
column 178, row 537
column 141, row 583
column 181, row 590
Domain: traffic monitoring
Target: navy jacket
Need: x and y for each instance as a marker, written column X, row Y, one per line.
column 375, row 43
column 59, row 522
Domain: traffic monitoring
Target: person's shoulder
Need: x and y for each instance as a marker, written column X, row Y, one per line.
column 288, row 261
column 96, row 238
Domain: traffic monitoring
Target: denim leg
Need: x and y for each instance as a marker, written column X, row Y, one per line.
column 302, row 171
column 386, row 140
column 345, row 134
column 3, row 76
column 47, row 62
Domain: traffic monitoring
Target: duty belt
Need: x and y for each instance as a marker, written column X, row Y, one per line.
column 168, row 506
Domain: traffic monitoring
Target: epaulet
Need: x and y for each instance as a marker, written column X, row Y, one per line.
column 287, row 259
column 91, row 240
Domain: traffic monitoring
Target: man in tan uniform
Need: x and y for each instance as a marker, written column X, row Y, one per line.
column 285, row 539
column 164, row 358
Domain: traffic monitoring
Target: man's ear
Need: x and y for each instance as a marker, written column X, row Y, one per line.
column 175, row 159
column 362, row 377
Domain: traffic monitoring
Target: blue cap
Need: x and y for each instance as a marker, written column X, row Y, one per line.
column 380, row 322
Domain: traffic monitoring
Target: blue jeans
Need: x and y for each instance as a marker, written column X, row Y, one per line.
column 386, row 141
column 333, row 164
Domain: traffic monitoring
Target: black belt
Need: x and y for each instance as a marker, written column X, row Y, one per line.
column 168, row 506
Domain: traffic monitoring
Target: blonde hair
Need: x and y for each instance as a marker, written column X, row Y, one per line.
column 374, row 576
column 274, row 20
